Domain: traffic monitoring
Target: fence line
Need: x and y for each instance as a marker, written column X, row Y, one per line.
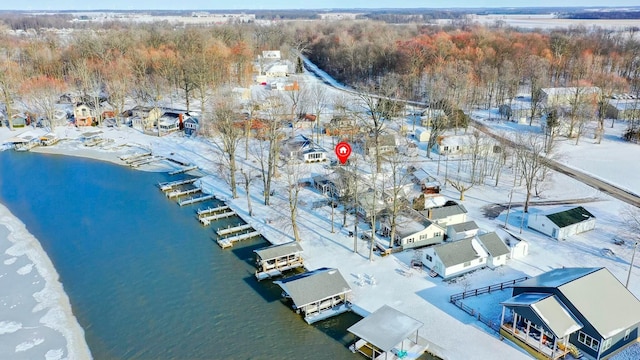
column 456, row 299
column 485, row 289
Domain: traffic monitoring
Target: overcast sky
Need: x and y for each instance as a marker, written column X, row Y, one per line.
column 291, row 4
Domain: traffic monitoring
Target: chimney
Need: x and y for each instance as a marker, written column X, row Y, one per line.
column 429, row 213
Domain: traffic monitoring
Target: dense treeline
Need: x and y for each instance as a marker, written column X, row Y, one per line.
column 475, row 65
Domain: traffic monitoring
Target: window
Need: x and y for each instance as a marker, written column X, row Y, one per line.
column 606, row 344
column 588, row 340
column 430, row 259
column 424, row 237
column 437, row 233
column 626, row 334
column 468, row 263
column 410, row 240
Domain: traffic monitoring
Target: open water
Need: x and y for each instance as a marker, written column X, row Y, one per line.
column 145, row 279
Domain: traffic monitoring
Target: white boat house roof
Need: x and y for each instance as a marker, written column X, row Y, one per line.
column 313, row 286
column 545, row 309
column 385, row 328
column 276, row 251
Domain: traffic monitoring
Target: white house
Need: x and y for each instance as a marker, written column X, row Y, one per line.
column 453, row 144
column 461, row 231
column 271, row 54
column 277, row 70
column 559, row 224
column 303, row 148
column 413, row 230
column 449, row 214
column 455, row 258
column 422, row 135
column 498, row 251
column 170, row 121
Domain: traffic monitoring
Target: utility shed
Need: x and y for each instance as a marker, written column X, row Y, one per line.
column 317, row 294
column 384, row 333
column 559, row 224
column 273, row 260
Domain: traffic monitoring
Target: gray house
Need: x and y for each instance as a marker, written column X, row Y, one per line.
column 577, row 310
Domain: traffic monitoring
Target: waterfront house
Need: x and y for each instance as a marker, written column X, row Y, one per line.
column 579, row 310
column 317, row 294
column 83, row 114
column 386, row 334
column 20, row 120
column 274, row 260
column 413, row 230
column 452, row 259
column 170, row 121
column 559, row 224
column 191, row 126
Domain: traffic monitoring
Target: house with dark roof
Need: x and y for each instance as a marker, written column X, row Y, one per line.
column 303, row 148
column 455, row 258
column 496, row 248
column 461, row 231
column 578, row 310
column 317, row 294
column 559, row 224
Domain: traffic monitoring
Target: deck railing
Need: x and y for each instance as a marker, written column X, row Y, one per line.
column 486, row 289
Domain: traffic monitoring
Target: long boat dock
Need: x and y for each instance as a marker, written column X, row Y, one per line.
column 231, row 230
column 194, row 200
column 210, row 210
column 206, row 220
column 166, row 186
column 146, row 161
column 183, row 170
column 132, row 158
column 228, row 241
column 178, row 193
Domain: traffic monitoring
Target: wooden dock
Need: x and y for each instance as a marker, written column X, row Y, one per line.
column 146, row 161
column 166, row 186
column 132, row 158
column 183, row 170
column 178, row 193
column 206, row 220
column 231, row 230
column 228, row 241
column 194, row 200
column 210, row 210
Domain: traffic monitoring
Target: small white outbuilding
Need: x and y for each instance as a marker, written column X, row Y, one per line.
column 559, row 224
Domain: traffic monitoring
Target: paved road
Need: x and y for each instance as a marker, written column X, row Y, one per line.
column 607, row 188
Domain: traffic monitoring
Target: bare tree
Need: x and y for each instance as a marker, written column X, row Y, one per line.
column 276, row 111
column 394, row 183
column 41, row 94
column 318, row 101
column 248, row 177
column 10, row 78
column 530, row 158
column 631, row 223
column 293, row 171
column 227, row 134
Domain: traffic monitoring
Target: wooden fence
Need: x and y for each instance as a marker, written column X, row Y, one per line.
column 456, row 299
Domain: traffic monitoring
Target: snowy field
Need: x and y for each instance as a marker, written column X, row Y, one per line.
column 385, row 280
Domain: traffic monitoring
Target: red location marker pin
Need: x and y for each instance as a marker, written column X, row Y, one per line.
column 343, row 151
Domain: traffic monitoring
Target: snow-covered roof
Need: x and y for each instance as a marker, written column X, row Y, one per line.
column 625, row 104
column 597, row 295
column 547, row 311
column 494, row 245
column 313, row 286
column 465, row 226
column 557, row 91
column 276, row 251
column 385, row 328
column 459, row 252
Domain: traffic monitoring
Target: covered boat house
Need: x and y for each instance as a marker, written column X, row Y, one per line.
column 387, row 334
column 273, row 260
column 317, row 294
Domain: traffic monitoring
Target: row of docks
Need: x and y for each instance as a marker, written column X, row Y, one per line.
column 191, row 195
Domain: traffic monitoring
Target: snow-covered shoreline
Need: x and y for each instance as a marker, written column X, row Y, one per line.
column 28, row 307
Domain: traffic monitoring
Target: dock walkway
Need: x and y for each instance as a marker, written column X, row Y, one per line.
column 231, row 230
column 228, row 241
column 194, row 200
column 210, row 210
column 206, row 220
column 178, row 193
column 166, row 186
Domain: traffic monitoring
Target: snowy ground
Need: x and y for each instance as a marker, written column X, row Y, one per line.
column 389, row 280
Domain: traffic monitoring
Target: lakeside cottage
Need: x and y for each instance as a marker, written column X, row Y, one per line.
column 455, row 258
column 578, row 310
